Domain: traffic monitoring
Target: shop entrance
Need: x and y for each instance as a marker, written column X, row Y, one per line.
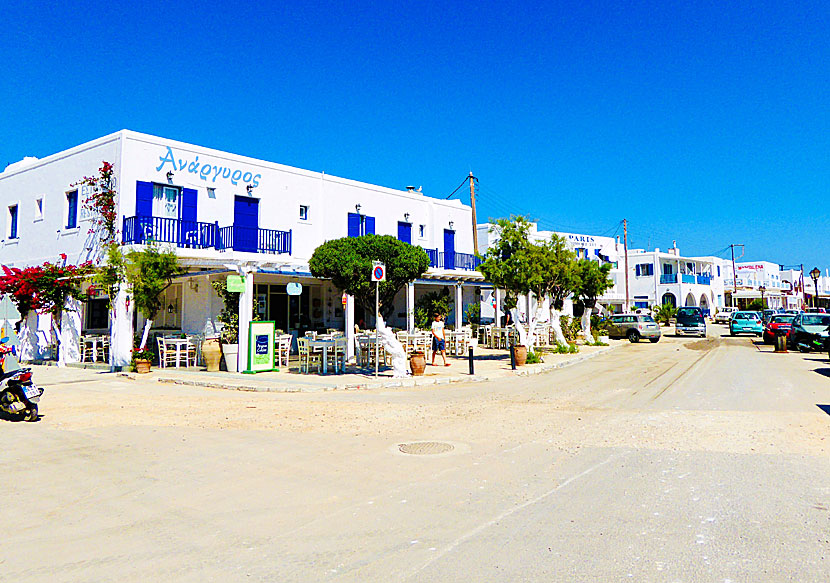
column 289, row 313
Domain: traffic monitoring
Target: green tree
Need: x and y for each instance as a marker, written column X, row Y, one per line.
column 150, row 272
column 348, row 263
column 665, row 313
column 561, row 279
column 594, row 280
column 429, row 304
column 518, row 266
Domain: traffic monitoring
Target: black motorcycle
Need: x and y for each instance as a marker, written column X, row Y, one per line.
column 19, row 396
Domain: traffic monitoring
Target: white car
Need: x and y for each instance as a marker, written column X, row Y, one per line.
column 724, row 314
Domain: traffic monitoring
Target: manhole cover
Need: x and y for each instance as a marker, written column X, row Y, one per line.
column 425, row 447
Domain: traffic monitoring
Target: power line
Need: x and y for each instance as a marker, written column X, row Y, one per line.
column 463, row 182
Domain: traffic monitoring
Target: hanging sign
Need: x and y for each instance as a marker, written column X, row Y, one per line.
column 378, row 271
column 260, row 346
column 294, row 288
column 343, row 299
column 236, row 283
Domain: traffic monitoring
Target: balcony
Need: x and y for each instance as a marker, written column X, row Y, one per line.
column 190, row 234
column 668, row 278
column 254, row 240
column 704, row 279
column 452, row 260
column 687, row 278
column 140, row 230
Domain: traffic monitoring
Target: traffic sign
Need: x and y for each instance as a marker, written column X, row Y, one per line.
column 378, row 271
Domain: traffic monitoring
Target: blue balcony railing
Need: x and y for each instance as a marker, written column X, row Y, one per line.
column 141, row 230
column 687, row 278
column 452, row 260
column 704, row 279
column 668, row 278
column 192, row 234
column 252, row 240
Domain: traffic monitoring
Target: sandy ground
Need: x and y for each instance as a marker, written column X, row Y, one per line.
column 681, row 461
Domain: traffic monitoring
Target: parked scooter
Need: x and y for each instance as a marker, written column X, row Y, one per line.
column 19, row 397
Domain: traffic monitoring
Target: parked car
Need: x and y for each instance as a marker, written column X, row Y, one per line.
column 810, row 331
column 723, row 314
column 778, row 324
column 744, row 322
column 633, row 327
column 689, row 320
column 767, row 314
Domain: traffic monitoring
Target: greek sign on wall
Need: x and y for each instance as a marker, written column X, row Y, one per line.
column 205, row 170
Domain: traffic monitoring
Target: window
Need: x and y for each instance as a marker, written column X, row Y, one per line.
column 303, row 212
column 13, row 222
column 39, row 209
column 422, row 229
column 643, row 269
column 166, row 201
column 97, row 316
column 211, row 192
column 72, row 209
column 718, row 270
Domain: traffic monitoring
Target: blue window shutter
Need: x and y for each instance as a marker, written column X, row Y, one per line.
column 370, row 226
column 354, row 225
column 404, row 232
column 144, row 199
column 718, row 270
column 189, row 204
column 637, row 270
column 72, row 210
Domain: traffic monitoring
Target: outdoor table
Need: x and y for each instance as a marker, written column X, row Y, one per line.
column 180, row 345
column 324, row 344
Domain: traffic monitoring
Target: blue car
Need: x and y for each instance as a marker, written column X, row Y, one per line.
column 745, row 323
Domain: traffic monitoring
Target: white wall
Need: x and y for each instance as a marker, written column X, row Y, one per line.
column 50, row 179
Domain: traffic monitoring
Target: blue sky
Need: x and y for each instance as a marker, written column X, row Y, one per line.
column 703, row 123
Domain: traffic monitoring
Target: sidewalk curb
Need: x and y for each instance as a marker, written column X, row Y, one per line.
column 408, row 382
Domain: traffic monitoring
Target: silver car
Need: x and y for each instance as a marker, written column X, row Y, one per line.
column 633, row 327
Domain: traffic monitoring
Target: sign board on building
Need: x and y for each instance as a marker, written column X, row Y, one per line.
column 378, row 271
column 260, row 346
column 236, row 283
column 294, row 288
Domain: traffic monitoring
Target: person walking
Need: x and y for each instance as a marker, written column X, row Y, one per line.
column 438, row 341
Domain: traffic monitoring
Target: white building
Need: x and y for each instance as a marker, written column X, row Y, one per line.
column 222, row 212
column 754, row 279
column 657, row 277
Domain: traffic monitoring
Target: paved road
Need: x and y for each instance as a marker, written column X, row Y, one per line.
column 681, row 461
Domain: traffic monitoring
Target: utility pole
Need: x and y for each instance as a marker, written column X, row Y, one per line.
column 734, row 271
column 625, row 247
column 473, row 179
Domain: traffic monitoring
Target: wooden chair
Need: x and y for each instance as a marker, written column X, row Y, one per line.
column 87, row 354
column 166, row 355
column 308, row 357
column 104, row 349
column 283, row 349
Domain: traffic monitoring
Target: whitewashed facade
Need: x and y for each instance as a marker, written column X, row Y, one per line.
column 222, row 213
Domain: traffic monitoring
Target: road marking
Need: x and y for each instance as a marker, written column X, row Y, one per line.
column 509, row 512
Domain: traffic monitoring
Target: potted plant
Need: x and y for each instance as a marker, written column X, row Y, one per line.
column 142, row 359
column 417, row 363
column 520, row 354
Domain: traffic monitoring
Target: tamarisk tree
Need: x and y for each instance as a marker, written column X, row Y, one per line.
column 594, row 280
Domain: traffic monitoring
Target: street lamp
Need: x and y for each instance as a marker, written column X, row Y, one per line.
column 762, row 289
column 815, row 273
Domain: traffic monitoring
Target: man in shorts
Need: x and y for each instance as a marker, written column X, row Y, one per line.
column 438, row 342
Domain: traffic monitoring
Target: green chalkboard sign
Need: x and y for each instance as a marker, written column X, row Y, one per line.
column 261, row 346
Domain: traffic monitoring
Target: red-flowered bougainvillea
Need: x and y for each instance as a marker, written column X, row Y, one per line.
column 101, row 202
